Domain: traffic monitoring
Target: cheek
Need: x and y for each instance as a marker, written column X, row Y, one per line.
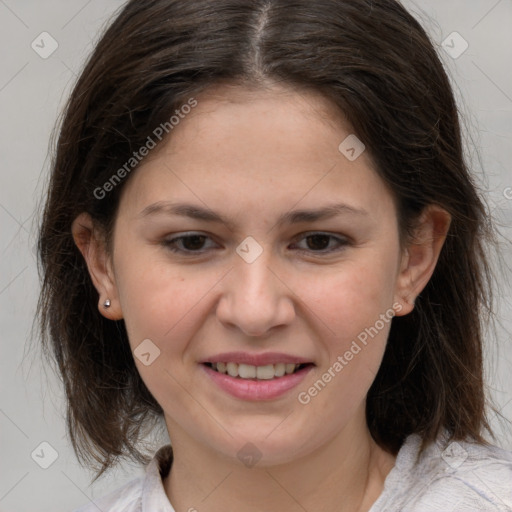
column 352, row 297
column 159, row 304
column 155, row 299
column 358, row 316
column 354, row 308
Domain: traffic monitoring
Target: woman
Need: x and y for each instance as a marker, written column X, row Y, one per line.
column 206, row 151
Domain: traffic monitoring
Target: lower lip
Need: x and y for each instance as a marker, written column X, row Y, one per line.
column 252, row 389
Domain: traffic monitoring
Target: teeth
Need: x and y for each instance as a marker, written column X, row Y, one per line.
column 265, row 372
column 232, row 369
column 289, row 368
column 248, row 371
column 280, row 369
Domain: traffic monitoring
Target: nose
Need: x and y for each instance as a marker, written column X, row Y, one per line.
column 255, row 297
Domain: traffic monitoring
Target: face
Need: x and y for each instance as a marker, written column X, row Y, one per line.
column 268, row 289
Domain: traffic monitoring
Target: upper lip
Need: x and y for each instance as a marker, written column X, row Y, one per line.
column 256, row 359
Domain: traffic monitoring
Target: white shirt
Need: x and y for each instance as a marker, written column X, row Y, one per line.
column 460, row 477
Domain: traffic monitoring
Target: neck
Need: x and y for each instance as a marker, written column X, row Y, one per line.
column 345, row 474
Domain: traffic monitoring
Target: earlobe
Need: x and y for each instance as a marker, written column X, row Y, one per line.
column 88, row 240
column 421, row 256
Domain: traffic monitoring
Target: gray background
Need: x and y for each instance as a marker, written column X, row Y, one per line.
column 32, row 93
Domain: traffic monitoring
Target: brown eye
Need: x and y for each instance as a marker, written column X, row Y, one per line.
column 320, row 243
column 193, row 244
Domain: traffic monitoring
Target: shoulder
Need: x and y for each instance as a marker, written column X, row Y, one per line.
column 145, row 493
column 127, row 498
column 456, row 476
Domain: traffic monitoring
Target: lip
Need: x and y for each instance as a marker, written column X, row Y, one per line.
column 256, row 359
column 253, row 389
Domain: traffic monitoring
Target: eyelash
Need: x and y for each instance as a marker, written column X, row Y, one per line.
column 171, row 243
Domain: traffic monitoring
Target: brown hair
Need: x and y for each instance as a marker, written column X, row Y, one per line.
column 376, row 63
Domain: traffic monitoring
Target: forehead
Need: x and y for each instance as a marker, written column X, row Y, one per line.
column 264, row 148
column 276, row 113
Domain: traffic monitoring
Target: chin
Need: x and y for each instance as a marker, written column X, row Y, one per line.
column 261, row 446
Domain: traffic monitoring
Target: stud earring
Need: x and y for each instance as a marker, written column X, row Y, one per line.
column 106, row 304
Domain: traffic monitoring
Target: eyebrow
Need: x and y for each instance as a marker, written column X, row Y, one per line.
column 292, row 217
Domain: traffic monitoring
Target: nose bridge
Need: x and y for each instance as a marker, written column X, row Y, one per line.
column 254, row 299
column 253, row 278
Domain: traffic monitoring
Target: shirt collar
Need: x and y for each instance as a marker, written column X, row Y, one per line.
column 154, row 498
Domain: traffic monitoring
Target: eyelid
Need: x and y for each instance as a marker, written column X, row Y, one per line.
column 168, row 242
column 342, row 241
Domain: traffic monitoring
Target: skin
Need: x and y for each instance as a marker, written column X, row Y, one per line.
column 252, row 156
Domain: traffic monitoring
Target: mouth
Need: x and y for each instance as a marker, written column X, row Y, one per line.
column 256, row 383
column 257, row 373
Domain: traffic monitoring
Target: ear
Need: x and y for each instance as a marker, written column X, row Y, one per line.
column 421, row 255
column 91, row 244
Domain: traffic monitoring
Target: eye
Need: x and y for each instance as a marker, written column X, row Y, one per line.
column 319, row 243
column 191, row 243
